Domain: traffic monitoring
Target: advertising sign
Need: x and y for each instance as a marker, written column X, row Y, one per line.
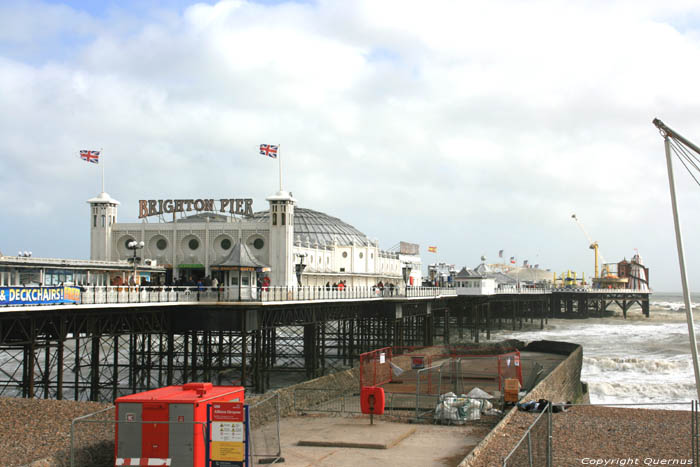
column 418, row 362
column 38, row 295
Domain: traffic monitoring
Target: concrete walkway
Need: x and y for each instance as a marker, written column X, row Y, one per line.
column 386, row 443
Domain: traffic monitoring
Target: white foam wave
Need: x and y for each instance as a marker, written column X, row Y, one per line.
column 673, row 306
column 631, row 364
column 602, row 392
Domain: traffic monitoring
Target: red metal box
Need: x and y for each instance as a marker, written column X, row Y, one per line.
column 183, row 407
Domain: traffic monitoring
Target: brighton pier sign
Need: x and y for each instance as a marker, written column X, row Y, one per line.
column 154, row 207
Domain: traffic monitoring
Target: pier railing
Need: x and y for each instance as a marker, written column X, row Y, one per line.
column 107, row 295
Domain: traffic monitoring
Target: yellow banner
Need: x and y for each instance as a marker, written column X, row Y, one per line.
column 226, row 451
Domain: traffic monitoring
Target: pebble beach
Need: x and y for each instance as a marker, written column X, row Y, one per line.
column 595, row 435
column 36, row 433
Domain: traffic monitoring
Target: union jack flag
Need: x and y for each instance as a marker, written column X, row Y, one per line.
column 268, row 150
column 90, row 156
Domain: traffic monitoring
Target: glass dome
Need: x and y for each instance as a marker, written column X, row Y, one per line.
column 317, row 227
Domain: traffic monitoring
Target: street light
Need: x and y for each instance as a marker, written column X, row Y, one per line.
column 406, row 270
column 134, row 245
column 300, row 267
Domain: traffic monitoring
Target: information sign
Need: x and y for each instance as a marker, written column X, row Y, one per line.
column 227, row 428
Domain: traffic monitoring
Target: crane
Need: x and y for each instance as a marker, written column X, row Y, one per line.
column 592, row 245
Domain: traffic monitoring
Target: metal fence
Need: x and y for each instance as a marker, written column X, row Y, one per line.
column 92, row 436
column 375, row 367
column 428, row 390
column 540, row 445
column 329, row 400
column 266, row 445
column 534, row 449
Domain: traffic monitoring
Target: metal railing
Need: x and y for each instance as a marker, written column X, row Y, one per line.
column 99, row 295
column 538, row 445
column 266, row 445
column 428, row 390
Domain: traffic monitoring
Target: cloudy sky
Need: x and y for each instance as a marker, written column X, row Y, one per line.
column 471, row 126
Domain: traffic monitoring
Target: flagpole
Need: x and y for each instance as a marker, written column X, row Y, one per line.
column 103, row 170
column 279, row 157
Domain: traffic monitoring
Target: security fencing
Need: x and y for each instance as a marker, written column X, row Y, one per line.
column 535, row 448
column 266, row 445
column 428, row 390
column 540, row 445
column 375, row 367
column 92, row 436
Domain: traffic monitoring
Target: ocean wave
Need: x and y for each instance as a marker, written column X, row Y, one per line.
column 637, row 392
column 631, row 364
column 673, row 306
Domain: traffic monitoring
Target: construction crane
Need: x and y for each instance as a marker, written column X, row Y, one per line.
column 592, row 245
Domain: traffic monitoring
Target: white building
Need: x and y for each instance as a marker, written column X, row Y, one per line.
column 278, row 239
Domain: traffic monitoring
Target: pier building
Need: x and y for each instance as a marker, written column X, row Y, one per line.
column 290, row 245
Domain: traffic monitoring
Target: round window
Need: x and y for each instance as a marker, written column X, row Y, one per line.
column 259, row 243
column 225, row 244
column 193, row 244
column 161, row 244
column 345, row 254
column 361, row 255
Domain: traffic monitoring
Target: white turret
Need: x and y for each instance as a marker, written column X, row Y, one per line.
column 282, row 239
column 103, row 215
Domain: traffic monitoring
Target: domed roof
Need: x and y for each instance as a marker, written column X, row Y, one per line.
column 317, row 227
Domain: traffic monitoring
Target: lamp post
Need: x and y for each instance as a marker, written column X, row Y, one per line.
column 300, row 267
column 406, row 271
column 134, row 245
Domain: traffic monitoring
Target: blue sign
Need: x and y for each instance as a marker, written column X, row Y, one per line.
column 38, row 295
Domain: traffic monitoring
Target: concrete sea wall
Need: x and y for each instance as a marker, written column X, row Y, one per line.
column 562, row 384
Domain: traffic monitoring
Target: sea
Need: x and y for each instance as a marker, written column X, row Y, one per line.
column 633, row 360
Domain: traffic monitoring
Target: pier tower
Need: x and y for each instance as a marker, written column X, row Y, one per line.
column 282, row 239
column 103, row 215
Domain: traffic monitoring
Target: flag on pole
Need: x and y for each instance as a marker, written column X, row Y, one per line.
column 268, row 150
column 432, row 249
column 512, row 260
column 90, row 156
column 500, row 253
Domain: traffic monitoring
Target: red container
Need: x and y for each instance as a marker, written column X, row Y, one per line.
column 182, row 441
column 372, row 400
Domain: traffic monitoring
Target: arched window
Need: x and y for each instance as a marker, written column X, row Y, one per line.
column 282, row 218
column 274, row 218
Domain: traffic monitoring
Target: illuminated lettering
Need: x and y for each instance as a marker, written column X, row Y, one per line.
column 224, row 203
column 239, row 206
column 168, row 205
column 178, row 205
column 248, row 207
column 199, row 205
column 188, row 202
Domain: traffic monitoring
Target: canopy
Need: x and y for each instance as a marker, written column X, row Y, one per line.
column 240, row 259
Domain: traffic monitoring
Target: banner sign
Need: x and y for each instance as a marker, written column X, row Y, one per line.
column 38, row 295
